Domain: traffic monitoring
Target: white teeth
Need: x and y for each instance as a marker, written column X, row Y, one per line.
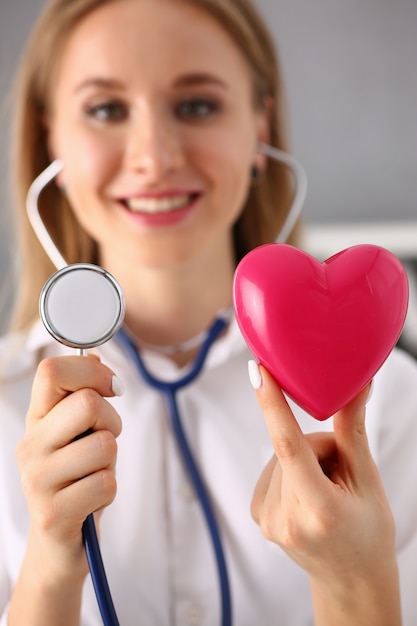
column 157, row 205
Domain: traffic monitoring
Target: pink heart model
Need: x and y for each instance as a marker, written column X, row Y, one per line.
column 321, row 329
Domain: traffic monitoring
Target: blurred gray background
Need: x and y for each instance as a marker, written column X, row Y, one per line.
column 352, row 89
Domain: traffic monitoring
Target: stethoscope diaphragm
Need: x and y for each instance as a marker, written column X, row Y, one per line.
column 82, row 305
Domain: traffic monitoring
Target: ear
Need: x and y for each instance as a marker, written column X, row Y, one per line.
column 264, row 130
column 52, row 152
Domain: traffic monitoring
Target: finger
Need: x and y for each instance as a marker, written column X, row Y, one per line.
column 351, row 437
column 82, row 412
column 296, row 458
column 79, row 459
column 322, row 444
column 72, row 504
column 91, row 494
column 262, row 487
column 58, row 377
column 324, row 448
column 349, row 422
column 79, row 412
column 46, row 475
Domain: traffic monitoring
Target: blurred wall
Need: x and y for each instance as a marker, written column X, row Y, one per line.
column 16, row 17
column 352, row 87
column 352, row 91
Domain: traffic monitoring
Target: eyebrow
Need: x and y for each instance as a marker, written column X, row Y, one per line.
column 108, row 83
column 187, row 80
column 199, row 78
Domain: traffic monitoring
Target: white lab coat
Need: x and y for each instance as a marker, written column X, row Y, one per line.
column 154, row 540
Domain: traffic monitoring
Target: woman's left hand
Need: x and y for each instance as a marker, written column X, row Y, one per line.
column 321, row 499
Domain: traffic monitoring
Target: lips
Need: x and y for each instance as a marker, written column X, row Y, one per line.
column 156, row 205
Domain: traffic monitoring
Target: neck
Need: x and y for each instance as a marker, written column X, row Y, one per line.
column 170, row 310
column 180, row 350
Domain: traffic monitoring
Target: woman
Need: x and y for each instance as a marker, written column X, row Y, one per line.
column 156, row 109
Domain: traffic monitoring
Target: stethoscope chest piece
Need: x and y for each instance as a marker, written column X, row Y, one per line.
column 82, row 305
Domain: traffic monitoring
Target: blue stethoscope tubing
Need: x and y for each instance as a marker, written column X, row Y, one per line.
column 169, row 391
column 98, row 573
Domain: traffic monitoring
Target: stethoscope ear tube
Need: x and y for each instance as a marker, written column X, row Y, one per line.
column 300, row 187
column 32, row 210
column 48, row 174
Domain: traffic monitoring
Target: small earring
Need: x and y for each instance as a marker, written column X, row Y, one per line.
column 255, row 172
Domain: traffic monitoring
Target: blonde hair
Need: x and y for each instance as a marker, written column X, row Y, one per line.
column 269, row 198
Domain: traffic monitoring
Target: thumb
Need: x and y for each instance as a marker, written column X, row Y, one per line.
column 350, row 431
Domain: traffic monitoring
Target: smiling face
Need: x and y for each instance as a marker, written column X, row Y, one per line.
column 152, row 115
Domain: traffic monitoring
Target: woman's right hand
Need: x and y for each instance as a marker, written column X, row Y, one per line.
column 66, row 477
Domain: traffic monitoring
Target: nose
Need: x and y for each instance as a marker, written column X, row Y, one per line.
column 154, row 146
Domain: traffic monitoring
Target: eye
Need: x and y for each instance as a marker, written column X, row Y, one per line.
column 111, row 111
column 197, row 108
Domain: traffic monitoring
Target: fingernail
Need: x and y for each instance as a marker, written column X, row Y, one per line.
column 117, row 386
column 371, row 390
column 254, row 374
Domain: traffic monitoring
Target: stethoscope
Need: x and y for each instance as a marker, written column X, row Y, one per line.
column 82, row 306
